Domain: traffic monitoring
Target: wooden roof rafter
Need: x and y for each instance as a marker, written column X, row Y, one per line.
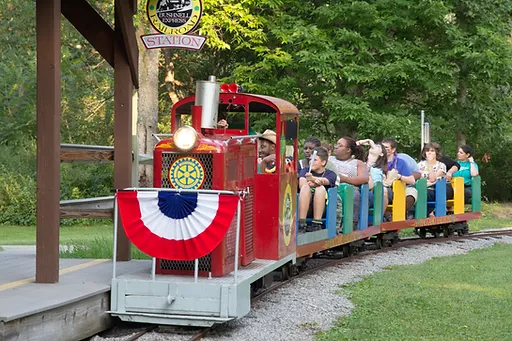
column 99, row 33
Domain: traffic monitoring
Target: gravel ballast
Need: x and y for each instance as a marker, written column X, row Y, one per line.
column 313, row 303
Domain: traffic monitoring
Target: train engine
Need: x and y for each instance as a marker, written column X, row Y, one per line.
column 201, row 158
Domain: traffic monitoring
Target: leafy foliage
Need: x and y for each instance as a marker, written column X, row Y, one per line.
column 358, row 68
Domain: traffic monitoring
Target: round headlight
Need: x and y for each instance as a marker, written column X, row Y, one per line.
column 185, row 138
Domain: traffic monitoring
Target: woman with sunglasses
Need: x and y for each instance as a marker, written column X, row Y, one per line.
column 468, row 169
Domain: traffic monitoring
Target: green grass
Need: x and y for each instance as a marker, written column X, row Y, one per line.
column 94, row 241
column 98, row 248
column 465, row 297
column 494, row 215
column 26, row 235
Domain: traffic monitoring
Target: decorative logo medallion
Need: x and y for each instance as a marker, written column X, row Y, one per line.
column 186, row 173
column 287, row 215
column 174, row 17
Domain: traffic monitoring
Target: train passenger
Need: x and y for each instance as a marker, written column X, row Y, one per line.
column 432, row 169
column 451, row 167
column 348, row 159
column 223, row 124
column 412, row 164
column 377, row 163
column 328, row 146
column 399, row 170
column 309, row 145
column 267, row 152
column 468, row 169
column 313, row 191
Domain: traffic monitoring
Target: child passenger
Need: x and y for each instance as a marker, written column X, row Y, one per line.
column 313, row 186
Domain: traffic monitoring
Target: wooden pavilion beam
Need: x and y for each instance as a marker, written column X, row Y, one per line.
column 48, row 139
column 123, row 92
column 130, row 43
column 133, row 6
column 92, row 26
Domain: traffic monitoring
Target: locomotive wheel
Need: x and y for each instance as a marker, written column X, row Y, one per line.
column 285, row 272
column 422, row 232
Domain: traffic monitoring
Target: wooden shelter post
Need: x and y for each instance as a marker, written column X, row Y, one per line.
column 123, row 92
column 48, row 140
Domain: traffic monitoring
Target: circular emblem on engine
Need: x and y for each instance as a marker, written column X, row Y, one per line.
column 186, row 173
column 174, row 17
column 287, row 215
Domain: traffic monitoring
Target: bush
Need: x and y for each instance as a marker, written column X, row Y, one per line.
column 18, row 183
column 496, row 178
column 17, row 198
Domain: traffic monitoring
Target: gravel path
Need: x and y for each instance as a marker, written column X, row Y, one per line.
column 313, row 303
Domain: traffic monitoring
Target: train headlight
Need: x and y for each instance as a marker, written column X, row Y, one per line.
column 185, row 138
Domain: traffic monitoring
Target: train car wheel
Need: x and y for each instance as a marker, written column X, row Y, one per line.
column 465, row 230
column 436, row 233
column 422, row 232
column 347, row 250
column 379, row 242
column 446, row 232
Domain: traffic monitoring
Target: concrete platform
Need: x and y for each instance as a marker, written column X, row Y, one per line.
column 72, row 309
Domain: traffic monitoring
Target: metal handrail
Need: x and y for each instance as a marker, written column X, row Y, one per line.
column 196, row 261
column 157, row 136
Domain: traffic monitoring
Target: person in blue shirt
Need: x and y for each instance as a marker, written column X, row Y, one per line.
column 468, row 169
column 313, row 184
column 398, row 168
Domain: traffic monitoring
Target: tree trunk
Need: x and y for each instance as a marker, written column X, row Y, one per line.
column 147, row 121
column 170, row 81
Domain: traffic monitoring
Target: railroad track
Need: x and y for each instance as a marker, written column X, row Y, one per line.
column 333, row 259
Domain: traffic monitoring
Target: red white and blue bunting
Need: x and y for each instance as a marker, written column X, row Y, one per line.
column 173, row 225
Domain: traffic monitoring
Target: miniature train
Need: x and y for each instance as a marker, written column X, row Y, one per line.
column 199, row 160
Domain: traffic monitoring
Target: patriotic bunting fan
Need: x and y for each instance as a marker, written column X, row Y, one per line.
column 176, row 226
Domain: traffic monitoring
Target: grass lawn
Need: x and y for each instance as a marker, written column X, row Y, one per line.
column 26, row 235
column 494, row 215
column 465, row 297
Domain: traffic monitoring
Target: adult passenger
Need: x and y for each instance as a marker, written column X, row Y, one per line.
column 377, row 163
column 399, row 170
column 267, row 152
column 313, row 191
column 468, row 169
column 348, row 159
column 431, row 168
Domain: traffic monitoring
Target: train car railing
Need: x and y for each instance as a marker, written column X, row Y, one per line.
column 196, row 261
column 476, row 194
column 346, row 193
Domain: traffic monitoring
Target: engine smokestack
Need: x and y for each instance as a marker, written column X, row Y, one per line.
column 207, row 96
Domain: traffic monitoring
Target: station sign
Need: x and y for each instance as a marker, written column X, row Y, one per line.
column 162, row 41
column 174, row 19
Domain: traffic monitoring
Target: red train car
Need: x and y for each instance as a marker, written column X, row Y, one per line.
column 201, row 156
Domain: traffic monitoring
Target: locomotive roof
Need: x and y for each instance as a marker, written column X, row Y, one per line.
column 284, row 107
column 257, row 103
